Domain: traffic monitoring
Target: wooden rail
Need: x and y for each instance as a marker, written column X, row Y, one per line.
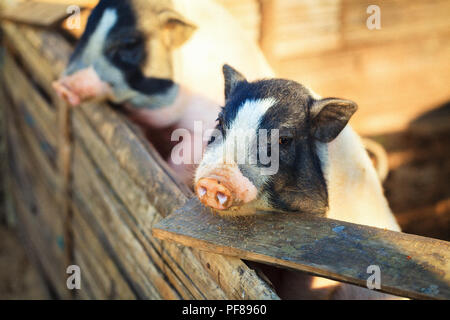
column 410, row 265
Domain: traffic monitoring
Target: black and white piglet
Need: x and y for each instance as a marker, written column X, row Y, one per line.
column 322, row 167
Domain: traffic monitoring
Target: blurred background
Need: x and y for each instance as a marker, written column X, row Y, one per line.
column 398, row 74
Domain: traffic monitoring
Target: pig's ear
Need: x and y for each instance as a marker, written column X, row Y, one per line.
column 232, row 78
column 177, row 29
column 329, row 117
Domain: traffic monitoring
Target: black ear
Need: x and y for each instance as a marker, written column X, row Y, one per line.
column 232, row 78
column 329, row 117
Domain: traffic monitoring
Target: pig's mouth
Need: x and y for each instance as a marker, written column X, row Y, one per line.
column 81, row 86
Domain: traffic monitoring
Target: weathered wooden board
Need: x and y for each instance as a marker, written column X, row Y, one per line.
column 37, row 213
column 108, row 218
column 101, row 276
column 80, row 3
column 34, row 147
column 31, row 104
column 410, row 265
column 41, row 71
column 42, row 14
column 25, row 164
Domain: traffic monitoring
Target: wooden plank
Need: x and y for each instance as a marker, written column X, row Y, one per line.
column 54, row 270
column 26, row 96
column 33, row 215
column 41, row 189
column 41, row 198
column 52, row 46
column 40, row 69
column 11, row 218
column 45, row 160
column 40, row 220
column 110, row 217
column 102, row 273
column 80, row 3
column 42, row 14
column 4, row 215
column 411, row 266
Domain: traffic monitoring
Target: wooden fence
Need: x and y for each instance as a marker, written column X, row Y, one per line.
column 87, row 188
column 92, row 200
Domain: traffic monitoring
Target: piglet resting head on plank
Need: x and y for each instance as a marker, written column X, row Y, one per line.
column 263, row 155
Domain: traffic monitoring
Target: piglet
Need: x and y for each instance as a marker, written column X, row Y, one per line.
column 315, row 161
column 278, row 146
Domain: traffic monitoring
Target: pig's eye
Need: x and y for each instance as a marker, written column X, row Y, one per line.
column 127, row 51
column 285, row 141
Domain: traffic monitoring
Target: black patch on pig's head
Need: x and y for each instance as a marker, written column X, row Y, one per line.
column 302, row 121
column 124, row 47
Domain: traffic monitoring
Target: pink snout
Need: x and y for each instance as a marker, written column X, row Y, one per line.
column 225, row 187
column 80, row 86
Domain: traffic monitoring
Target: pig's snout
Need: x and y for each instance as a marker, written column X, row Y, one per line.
column 214, row 194
column 80, row 86
column 222, row 188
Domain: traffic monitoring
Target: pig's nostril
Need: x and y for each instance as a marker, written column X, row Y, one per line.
column 213, row 194
column 201, row 191
column 222, row 198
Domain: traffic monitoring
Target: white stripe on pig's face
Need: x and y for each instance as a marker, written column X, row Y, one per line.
column 128, row 45
column 232, row 154
column 292, row 114
column 93, row 49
